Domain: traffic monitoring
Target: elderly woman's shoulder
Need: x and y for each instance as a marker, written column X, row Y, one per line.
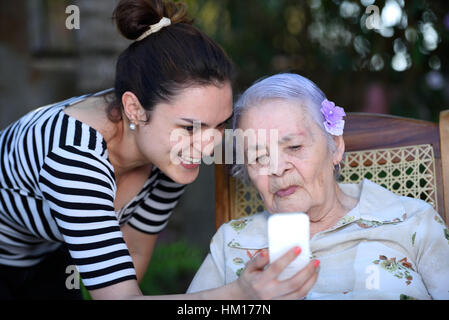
column 247, row 223
column 417, row 207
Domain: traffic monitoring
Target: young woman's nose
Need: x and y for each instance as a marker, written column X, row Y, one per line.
column 203, row 144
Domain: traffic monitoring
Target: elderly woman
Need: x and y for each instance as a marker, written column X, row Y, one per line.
column 369, row 242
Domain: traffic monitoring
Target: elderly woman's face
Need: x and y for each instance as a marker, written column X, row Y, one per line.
column 298, row 176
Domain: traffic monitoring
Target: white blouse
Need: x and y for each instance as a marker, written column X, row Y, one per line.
column 387, row 247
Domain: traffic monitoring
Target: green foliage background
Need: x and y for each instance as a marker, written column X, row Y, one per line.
column 172, row 268
column 328, row 42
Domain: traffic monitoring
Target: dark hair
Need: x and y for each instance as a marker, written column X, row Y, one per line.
column 174, row 58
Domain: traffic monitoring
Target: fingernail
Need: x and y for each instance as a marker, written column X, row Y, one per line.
column 297, row 250
column 316, row 263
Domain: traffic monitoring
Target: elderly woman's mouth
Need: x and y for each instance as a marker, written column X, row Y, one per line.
column 286, row 192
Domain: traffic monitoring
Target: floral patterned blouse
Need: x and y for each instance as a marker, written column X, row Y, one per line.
column 387, row 247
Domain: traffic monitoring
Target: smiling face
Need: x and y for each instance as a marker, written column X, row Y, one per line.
column 205, row 107
column 298, row 176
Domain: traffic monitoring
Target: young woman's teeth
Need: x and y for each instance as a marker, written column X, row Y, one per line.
column 190, row 160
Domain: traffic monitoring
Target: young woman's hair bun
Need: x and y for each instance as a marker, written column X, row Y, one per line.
column 134, row 17
column 176, row 57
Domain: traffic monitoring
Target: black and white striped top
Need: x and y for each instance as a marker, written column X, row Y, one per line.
column 57, row 185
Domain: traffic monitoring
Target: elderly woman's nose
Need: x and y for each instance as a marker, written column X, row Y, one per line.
column 279, row 165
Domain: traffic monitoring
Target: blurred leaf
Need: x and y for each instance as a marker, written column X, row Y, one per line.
column 172, row 268
column 328, row 42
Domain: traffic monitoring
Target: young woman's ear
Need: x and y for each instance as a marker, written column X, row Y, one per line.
column 132, row 108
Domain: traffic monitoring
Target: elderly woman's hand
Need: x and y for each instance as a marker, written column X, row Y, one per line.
column 257, row 283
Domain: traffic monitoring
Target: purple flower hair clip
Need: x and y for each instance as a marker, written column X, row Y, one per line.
column 333, row 115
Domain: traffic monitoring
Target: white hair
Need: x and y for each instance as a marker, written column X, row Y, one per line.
column 286, row 86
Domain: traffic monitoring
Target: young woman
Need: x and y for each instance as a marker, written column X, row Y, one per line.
column 91, row 183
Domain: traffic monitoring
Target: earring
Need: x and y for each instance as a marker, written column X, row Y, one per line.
column 337, row 175
column 132, row 126
column 337, row 168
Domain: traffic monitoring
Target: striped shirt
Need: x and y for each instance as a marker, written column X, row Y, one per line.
column 57, row 185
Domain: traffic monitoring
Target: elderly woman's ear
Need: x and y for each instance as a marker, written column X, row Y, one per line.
column 340, row 149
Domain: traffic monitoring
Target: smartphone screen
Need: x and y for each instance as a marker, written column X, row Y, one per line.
column 285, row 231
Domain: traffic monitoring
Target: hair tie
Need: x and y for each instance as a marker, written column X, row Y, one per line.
column 164, row 22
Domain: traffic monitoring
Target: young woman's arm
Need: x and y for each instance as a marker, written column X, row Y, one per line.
column 254, row 283
column 140, row 246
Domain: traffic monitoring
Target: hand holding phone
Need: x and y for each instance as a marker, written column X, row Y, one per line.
column 285, row 231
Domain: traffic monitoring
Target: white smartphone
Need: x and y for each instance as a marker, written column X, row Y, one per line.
column 285, row 231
